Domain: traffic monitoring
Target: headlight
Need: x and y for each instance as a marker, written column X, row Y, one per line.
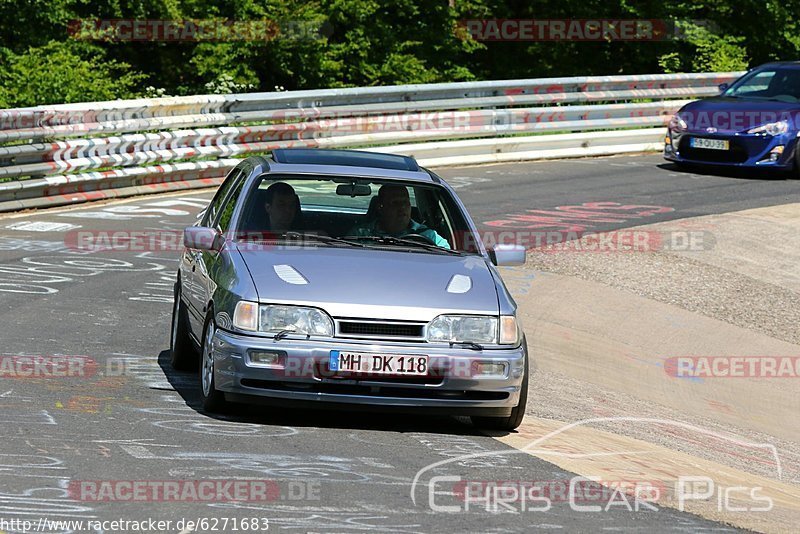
column 677, row 124
column 298, row 319
column 250, row 316
column 463, row 328
column 773, row 128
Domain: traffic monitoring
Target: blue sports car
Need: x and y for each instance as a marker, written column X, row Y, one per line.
column 752, row 123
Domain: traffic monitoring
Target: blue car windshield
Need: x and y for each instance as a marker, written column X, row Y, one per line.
column 780, row 84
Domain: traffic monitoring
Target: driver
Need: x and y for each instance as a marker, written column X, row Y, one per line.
column 394, row 218
column 283, row 208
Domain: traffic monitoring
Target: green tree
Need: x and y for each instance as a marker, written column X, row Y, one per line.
column 344, row 43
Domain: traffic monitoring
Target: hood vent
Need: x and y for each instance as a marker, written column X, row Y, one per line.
column 290, row 275
column 459, row 284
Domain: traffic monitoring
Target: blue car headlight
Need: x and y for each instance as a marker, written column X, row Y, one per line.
column 773, row 128
column 677, row 124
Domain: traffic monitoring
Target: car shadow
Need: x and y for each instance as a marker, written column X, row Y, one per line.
column 726, row 172
column 187, row 385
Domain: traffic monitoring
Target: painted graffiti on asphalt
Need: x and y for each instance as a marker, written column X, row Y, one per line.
column 578, row 218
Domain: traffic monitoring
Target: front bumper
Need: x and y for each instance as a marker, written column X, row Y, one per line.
column 747, row 150
column 303, row 377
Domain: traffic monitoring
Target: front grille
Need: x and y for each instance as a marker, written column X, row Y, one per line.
column 736, row 154
column 381, row 329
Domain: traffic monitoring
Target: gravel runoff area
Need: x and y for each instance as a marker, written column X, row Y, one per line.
column 747, row 276
column 690, row 281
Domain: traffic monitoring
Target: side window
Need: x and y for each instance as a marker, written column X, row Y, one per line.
column 216, row 202
column 434, row 212
column 451, row 223
column 225, row 215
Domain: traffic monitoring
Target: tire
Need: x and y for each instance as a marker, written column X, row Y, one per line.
column 512, row 421
column 183, row 356
column 212, row 399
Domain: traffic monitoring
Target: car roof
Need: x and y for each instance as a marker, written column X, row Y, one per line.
column 795, row 64
column 347, row 163
column 351, row 158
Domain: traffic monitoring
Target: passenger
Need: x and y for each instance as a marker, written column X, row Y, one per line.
column 394, row 218
column 283, row 208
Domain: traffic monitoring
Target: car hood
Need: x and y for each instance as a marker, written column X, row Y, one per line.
column 372, row 283
column 730, row 115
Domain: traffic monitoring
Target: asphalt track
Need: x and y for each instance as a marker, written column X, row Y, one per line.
column 126, row 416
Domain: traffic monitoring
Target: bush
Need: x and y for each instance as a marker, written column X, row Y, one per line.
column 64, row 72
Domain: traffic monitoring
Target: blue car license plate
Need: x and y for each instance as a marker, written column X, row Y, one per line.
column 711, row 144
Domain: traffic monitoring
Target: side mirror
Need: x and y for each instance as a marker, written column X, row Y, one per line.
column 723, row 87
column 508, row 255
column 202, row 238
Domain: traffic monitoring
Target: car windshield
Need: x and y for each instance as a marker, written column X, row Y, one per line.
column 778, row 84
column 348, row 212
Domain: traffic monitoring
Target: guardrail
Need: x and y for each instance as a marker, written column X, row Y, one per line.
column 79, row 152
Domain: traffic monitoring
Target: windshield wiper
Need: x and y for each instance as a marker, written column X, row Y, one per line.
column 282, row 334
column 391, row 240
column 467, row 345
column 321, row 238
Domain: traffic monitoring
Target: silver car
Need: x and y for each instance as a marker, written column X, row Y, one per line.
column 348, row 279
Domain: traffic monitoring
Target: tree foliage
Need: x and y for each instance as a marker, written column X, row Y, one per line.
column 341, row 43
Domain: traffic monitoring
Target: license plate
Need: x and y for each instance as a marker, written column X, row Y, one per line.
column 378, row 364
column 712, row 144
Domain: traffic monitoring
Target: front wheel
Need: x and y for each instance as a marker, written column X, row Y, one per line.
column 794, row 174
column 515, row 419
column 182, row 354
column 212, row 399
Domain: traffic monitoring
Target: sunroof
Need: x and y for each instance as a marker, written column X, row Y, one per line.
column 351, row 158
